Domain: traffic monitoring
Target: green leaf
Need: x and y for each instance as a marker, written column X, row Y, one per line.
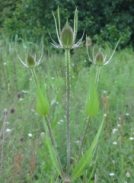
column 53, row 156
column 42, row 104
column 87, row 157
column 92, row 105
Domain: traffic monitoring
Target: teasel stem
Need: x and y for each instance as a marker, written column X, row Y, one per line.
column 35, row 77
column 98, row 71
column 83, row 138
column 67, row 58
column 50, row 132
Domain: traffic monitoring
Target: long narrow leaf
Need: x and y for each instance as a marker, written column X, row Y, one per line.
column 87, row 157
column 92, row 105
column 75, row 24
column 42, row 104
column 53, row 156
column 59, row 22
column 56, row 26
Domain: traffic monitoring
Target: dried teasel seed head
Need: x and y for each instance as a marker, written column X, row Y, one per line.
column 88, row 41
column 30, row 61
column 99, row 59
column 67, row 36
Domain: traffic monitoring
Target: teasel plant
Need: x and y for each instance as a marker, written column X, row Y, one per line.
column 67, row 41
column 99, row 60
column 42, row 108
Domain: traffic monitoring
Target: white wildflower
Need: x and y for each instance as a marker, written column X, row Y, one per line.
column 8, row 130
column 118, row 125
column 105, row 115
column 127, row 114
column 111, row 174
column 114, row 143
column 114, row 130
column 131, row 138
column 128, row 174
column 30, row 135
column 60, row 121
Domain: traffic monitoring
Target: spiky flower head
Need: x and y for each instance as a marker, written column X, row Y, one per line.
column 67, row 36
column 99, row 59
column 31, row 61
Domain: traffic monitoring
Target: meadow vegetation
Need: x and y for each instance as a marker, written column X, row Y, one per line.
column 66, row 102
column 24, row 155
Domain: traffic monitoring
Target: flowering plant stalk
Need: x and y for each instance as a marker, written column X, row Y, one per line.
column 99, row 59
column 66, row 40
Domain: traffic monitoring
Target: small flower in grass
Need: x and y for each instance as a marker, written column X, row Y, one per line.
column 131, row 138
column 30, row 135
column 105, row 115
column 111, row 174
column 114, row 143
column 128, row 174
column 127, row 114
column 61, row 121
column 8, row 130
column 118, row 125
column 67, row 36
column 114, row 130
